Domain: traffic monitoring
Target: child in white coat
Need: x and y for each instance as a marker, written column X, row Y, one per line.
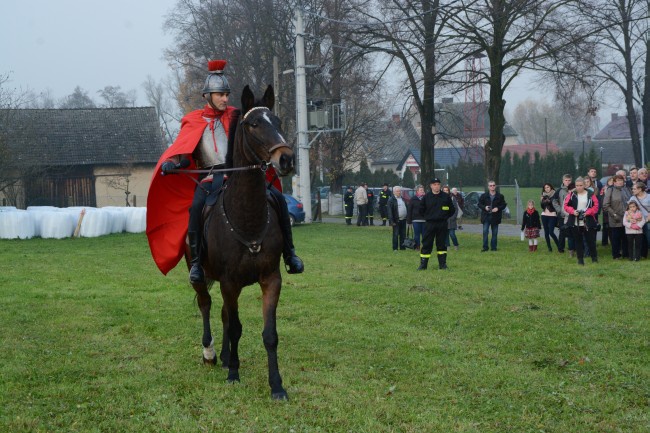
column 633, row 221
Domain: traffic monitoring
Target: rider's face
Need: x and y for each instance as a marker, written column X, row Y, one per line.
column 219, row 100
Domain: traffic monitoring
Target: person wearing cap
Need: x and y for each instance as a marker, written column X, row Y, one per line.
column 361, row 199
column 492, row 205
column 384, row 195
column 371, row 204
column 348, row 199
column 202, row 143
column 437, row 207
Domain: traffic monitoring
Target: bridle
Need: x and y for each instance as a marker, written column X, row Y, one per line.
column 248, row 147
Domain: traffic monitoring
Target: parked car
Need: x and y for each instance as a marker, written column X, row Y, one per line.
column 471, row 210
column 296, row 210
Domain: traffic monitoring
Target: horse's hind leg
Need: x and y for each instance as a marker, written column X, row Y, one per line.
column 270, row 297
column 233, row 327
column 205, row 302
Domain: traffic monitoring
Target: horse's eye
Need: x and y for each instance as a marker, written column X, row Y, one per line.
column 253, row 124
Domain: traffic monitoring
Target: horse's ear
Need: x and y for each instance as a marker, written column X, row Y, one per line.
column 247, row 99
column 268, row 100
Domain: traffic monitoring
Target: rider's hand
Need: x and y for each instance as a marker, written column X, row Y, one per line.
column 167, row 166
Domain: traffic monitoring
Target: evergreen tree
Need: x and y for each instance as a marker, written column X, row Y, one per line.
column 408, row 180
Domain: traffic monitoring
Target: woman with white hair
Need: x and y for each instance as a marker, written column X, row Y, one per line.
column 582, row 207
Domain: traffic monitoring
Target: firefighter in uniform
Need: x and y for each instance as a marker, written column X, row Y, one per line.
column 348, row 199
column 384, row 195
column 437, row 207
column 371, row 205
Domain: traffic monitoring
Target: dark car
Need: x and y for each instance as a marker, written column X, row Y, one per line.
column 296, row 211
column 471, row 210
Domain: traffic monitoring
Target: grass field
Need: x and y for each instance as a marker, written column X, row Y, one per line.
column 95, row 339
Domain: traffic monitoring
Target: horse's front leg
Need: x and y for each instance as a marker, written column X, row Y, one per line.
column 271, row 286
column 205, row 303
column 230, row 295
column 225, row 342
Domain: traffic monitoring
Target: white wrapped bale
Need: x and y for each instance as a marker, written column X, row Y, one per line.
column 136, row 219
column 56, row 224
column 95, row 223
column 118, row 215
column 39, row 213
column 16, row 224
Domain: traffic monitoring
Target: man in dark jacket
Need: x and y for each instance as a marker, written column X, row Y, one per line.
column 370, row 218
column 348, row 199
column 384, row 195
column 437, row 207
column 492, row 205
column 397, row 218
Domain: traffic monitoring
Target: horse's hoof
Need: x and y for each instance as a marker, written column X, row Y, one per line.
column 233, row 378
column 282, row 395
column 211, row 362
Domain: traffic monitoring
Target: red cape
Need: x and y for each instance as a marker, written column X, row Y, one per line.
column 170, row 196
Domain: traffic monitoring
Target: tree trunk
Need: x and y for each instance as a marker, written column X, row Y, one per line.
column 427, row 157
column 645, row 104
column 629, row 96
column 497, row 122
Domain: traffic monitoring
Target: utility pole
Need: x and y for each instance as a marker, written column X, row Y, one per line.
column 546, row 135
column 301, row 119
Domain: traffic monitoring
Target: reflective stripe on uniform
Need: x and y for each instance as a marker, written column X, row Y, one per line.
column 425, row 256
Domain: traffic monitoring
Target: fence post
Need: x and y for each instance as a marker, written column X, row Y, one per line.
column 520, row 208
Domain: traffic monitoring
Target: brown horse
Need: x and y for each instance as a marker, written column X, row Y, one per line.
column 242, row 236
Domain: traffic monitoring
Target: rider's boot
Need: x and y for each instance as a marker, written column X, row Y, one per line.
column 196, row 273
column 292, row 262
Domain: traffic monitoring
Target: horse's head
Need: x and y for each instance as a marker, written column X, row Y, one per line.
column 263, row 132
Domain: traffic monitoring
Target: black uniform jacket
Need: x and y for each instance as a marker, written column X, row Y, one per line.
column 437, row 207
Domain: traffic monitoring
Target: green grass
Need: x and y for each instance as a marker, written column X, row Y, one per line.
column 95, row 339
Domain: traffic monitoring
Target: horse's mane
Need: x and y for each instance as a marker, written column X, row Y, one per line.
column 232, row 129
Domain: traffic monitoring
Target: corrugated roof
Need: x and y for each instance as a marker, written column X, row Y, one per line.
column 83, row 136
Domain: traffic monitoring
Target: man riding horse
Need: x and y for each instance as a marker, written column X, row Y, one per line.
column 201, row 144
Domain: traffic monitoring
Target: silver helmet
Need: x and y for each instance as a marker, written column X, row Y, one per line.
column 216, row 80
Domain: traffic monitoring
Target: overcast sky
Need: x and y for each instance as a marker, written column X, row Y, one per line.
column 61, row 44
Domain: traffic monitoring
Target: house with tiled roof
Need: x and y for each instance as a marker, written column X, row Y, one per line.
column 81, row 157
column 455, row 139
column 613, row 142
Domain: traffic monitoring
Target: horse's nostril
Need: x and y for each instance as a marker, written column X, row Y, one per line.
column 286, row 162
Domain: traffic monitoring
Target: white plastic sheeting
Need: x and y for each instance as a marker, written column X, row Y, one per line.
column 136, row 220
column 58, row 223
column 53, row 222
column 16, row 224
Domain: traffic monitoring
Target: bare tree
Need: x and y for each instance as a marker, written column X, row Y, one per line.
column 621, row 56
column 169, row 117
column 514, row 35
column 77, row 99
column 344, row 76
column 537, row 123
column 416, row 36
column 114, row 97
column 247, row 33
